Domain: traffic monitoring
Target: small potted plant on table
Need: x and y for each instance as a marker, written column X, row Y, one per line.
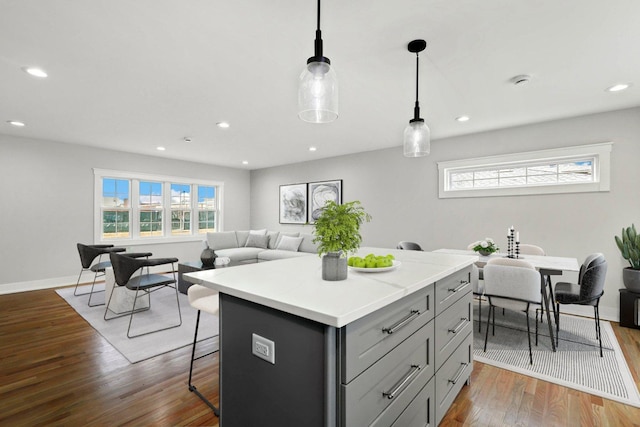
column 337, row 233
column 485, row 247
column 629, row 245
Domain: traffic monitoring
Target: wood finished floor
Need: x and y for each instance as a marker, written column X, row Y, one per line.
column 57, row 370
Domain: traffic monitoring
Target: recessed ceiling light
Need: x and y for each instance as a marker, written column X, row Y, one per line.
column 16, row 123
column 244, row 162
column 462, row 118
column 160, row 148
column 618, row 87
column 187, row 139
column 35, row 71
column 312, row 148
column 223, row 125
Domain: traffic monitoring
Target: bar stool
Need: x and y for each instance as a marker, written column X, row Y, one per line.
column 202, row 299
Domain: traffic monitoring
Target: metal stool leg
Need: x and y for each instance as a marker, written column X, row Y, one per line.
column 192, row 387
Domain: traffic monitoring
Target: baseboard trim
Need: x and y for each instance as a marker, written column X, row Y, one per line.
column 35, row 285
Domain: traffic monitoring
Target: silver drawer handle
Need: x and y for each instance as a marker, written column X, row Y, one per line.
column 463, row 366
column 403, row 322
column 459, row 326
column 463, row 283
column 402, row 383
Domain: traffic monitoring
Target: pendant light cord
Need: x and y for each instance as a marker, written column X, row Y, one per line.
column 416, row 109
column 318, row 42
column 318, row 15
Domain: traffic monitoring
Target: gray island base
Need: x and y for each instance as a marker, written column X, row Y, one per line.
column 378, row 349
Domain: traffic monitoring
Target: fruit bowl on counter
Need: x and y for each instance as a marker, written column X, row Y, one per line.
column 373, row 263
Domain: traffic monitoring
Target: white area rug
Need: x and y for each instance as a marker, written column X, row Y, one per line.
column 576, row 363
column 163, row 312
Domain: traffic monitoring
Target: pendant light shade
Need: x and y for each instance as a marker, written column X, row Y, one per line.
column 417, row 136
column 318, row 86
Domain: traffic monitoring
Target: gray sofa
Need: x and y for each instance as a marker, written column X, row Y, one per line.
column 245, row 247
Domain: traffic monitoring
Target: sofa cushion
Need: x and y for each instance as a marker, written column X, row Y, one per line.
column 274, row 254
column 222, row 240
column 242, row 237
column 257, row 241
column 307, row 244
column 273, row 238
column 240, row 254
column 288, row 243
column 285, row 233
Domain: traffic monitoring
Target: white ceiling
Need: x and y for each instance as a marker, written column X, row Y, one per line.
column 133, row 75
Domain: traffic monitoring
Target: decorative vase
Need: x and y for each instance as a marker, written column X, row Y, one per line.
column 484, row 253
column 208, row 257
column 334, row 266
column 631, row 279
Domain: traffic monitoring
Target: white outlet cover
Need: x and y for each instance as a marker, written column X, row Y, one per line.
column 263, row 348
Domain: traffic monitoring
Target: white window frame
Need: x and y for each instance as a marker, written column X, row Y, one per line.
column 601, row 154
column 134, row 216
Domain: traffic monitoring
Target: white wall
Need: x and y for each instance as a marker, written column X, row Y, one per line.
column 402, row 194
column 46, row 206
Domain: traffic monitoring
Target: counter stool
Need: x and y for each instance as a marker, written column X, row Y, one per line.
column 202, row 299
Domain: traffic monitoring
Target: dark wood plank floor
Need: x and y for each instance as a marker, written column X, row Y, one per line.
column 57, row 370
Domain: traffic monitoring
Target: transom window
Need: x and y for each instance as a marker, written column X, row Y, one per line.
column 570, row 169
column 163, row 207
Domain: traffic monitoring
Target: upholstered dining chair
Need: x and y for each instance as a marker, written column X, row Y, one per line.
column 202, row 299
column 409, row 246
column 527, row 249
column 513, row 284
column 125, row 268
column 88, row 254
column 587, row 291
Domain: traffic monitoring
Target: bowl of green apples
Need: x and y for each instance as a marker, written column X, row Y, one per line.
column 373, row 263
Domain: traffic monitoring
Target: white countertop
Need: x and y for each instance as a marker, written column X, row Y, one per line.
column 295, row 285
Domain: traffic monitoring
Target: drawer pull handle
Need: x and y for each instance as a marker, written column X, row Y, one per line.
column 463, row 366
column 463, row 283
column 401, row 323
column 402, row 383
column 459, row 326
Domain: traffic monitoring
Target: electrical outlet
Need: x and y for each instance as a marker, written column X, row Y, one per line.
column 263, row 348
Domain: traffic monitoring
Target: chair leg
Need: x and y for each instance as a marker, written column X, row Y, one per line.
column 486, row 334
column 479, row 313
column 494, row 320
column 95, row 276
column 133, row 310
column 536, row 325
column 598, row 330
column 192, row 388
column 529, row 334
column 557, row 324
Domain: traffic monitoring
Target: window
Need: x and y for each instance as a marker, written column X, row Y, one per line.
column 206, row 209
column 163, row 208
column 114, row 209
column 150, row 206
column 563, row 170
column 180, row 209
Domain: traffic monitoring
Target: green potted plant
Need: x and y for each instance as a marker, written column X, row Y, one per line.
column 485, row 247
column 337, row 234
column 629, row 245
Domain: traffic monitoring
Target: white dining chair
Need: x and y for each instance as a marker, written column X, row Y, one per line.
column 512, row 284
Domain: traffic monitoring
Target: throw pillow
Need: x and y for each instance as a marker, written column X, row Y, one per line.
column 259, row 232
column 257, row 241
column 287, row 243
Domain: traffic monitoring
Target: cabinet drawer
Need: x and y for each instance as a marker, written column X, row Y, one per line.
column 368, row 339
column 422, row 411
column 452, row 288
column 391, row 383
column 452, row 327
column 452, row 376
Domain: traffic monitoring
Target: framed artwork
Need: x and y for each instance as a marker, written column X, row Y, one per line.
column 293, row 204
column 320, row 193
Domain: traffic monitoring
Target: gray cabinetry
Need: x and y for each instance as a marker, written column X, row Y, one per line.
column 403, row 365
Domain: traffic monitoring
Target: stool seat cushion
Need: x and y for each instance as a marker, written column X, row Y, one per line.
column 203, row 299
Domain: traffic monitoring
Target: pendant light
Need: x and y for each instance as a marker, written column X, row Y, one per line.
column 417, row 135
column 318, row 86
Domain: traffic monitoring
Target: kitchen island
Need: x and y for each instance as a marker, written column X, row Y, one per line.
column 384, row 348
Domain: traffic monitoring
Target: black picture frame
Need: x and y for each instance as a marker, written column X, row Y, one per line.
column 293, row 204
column 319, row 193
